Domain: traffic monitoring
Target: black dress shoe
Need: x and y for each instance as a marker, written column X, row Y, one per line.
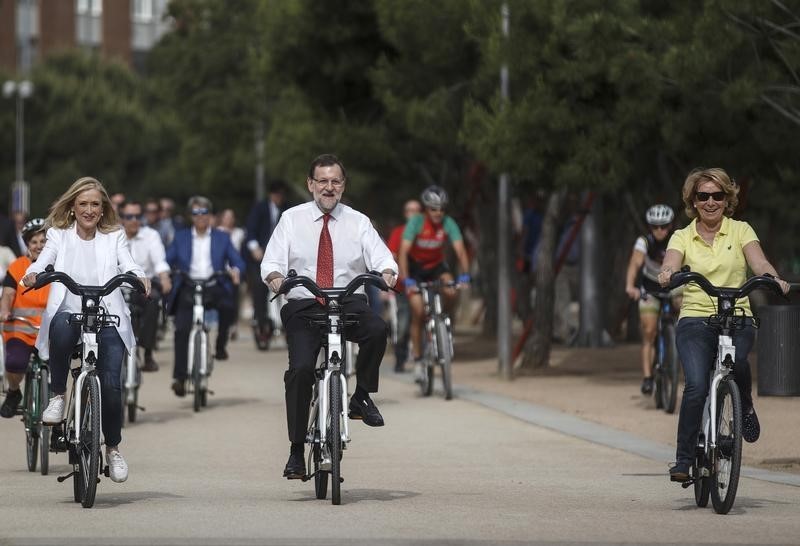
column 221, row 354
column 9, row 407
column 365, row 410
column 295, row 467
column 150, row 366
column 179, row 388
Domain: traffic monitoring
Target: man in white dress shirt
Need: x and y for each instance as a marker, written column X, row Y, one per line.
column 297, row 243
column 147, row 251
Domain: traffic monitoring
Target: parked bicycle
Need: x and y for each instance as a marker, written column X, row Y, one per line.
column 328, row 429
column 200, row 362
column 34, row 399
column 718, row 455
column 666, row 365
column 437, row 339
column 133, row 364
column 82, row 420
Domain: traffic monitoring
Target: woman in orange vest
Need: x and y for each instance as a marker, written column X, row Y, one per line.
column 20, row 337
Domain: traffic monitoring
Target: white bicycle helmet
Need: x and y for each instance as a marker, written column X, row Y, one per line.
column 659, row 215
column 31, row 228
column 434, row 196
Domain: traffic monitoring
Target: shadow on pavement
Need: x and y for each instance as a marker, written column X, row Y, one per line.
column 118, row 499
column 350, row 496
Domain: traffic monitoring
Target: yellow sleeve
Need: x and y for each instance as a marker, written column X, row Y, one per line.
column 747, row 234
column 678, row 241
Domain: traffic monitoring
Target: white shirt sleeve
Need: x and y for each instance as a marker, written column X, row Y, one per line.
column 158, row 256
column 377, row 255
column 640, row 245
column 276, row 255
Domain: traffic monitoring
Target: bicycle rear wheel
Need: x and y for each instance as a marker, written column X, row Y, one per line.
column 727, row 457
column 31, row 426
column 320, row 476
column 670, row 370
column 428, row 360
column 444, row 350
column 335, row 436
column 44, row 431
column 701, row 486
column 88, row 448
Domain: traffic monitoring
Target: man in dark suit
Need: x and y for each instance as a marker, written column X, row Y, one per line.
column 200, row 251
column 261, row 223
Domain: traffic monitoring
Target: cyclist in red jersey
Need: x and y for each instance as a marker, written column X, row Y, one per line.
column 421, row 259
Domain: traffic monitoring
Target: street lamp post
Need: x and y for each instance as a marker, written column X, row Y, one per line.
column 21, row 90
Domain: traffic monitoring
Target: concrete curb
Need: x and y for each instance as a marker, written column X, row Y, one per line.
column 570, row 425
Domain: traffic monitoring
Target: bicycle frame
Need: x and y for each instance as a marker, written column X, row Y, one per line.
column 726, row 356
column 334, row 357
column 91, row 349
column 198, row 328
column 432, row 303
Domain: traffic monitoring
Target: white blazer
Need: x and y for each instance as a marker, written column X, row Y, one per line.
column 113, row 257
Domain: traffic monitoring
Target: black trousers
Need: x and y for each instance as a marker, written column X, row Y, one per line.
column 304, row 342
column 217, row 298
column 258, row 293
column 145, row 316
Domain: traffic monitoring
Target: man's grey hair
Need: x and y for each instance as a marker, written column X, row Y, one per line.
column 200, row 202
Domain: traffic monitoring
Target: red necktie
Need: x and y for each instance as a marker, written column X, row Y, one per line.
column 325, row 257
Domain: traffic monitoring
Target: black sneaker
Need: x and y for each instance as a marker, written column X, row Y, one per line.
column 365, row 410
column 751, row 428
column 679, row 473
column 295, row 467
column 10, row 404
column 221, row 354
column 647, row 385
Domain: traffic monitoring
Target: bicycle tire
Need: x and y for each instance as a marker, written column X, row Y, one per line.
column 671, row 369
column 133, row 405
column 320, row 476
column 335, row 436
column 426, row 383
column 445, row 357
column 701, row 485
column 196, row 377
column 44, row 431
column 89, row 445
column 727, row 457
column 31, row 429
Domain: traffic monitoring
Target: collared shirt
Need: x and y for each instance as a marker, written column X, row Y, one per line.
column 148, row 251
column 357, row 247
column 201, row 267
column 723, row 263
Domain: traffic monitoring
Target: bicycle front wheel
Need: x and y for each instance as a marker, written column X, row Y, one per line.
column 428, row 360
column 197, row 378
column 727, row 457
column 29, row 420
column 701, row 487
column 335, row 436
column 671, row 370
column 44, row 431
column 89, row 444
column 445, row 351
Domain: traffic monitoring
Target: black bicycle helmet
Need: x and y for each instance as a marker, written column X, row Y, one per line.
column 31, row 228
column 434, row 197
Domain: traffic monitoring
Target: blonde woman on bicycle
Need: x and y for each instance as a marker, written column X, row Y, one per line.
column 85, row 241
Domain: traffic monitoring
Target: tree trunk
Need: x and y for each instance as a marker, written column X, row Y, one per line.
column 536, row 353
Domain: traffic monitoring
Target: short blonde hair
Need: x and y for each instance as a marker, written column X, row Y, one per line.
column 717, row 176
column 61, row 212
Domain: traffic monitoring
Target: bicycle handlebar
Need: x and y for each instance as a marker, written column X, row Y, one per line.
column 210, row 281
column 682, row 277
column 48, row 276
column 293, row 280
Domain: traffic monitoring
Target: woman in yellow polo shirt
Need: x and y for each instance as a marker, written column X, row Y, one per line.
column 721, row 249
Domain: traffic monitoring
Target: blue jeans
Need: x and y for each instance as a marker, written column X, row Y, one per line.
column 697, row 348
column 63, row 339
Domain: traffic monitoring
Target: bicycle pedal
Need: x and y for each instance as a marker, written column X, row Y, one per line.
column 341, row 480
column 141, row 408
column 209, row 391
column 61, row 479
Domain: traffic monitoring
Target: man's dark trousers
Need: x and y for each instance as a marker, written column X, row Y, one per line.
column 304, row 342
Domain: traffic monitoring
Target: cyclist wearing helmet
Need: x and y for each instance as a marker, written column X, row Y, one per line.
column 20, row 337
column 648, row 253
column 421, row 258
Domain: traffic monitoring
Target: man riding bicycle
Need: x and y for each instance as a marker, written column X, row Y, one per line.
column 421, row 259
column 646, row 257
column 20, row 338
column 331, row 243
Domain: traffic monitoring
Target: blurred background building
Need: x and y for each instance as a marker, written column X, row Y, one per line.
column 122, row 29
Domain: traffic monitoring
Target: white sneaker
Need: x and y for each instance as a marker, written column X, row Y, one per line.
column 117, row 467
column 54, row 413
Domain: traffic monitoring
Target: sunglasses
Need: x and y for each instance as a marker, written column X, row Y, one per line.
column 199, row 212
column 131, row 216
column 704, row 195
column 151, row 211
